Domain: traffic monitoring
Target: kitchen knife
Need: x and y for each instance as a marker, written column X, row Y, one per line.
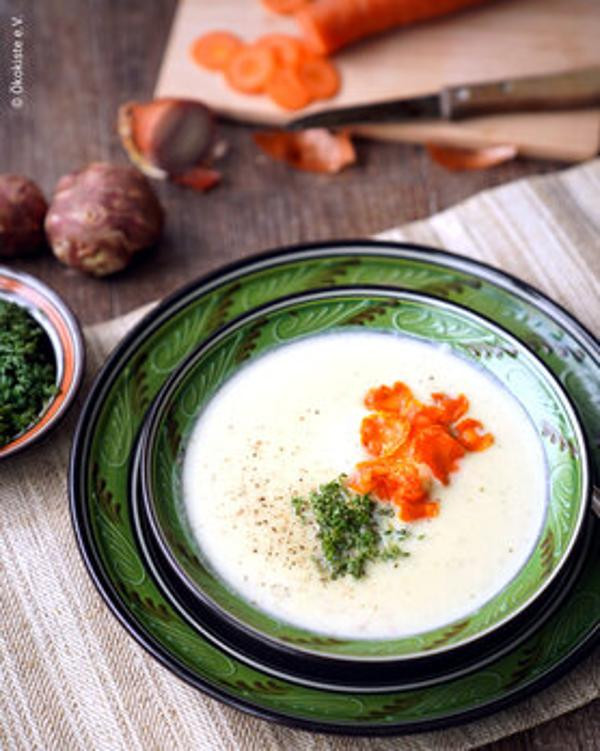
column 571, row 90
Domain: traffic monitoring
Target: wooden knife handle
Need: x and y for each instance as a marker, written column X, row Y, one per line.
column 575, row 89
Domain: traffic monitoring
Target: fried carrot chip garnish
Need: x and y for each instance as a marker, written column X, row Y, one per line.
column 458, row 160
column 312, row 150
column 468, row 433
column 411, row 444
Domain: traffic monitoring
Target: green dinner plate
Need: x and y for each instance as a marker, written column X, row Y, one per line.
column 471, row 338
column 319, row 671
column 115, row 409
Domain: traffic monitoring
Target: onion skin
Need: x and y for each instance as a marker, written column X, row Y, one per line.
column 101, row 217
column 22, row 211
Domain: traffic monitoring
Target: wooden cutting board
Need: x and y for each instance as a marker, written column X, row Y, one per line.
column 501, row 39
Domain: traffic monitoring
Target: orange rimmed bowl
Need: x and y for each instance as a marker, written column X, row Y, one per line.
column 64, row 332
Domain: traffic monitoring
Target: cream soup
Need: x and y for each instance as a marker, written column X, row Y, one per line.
column 290, row 421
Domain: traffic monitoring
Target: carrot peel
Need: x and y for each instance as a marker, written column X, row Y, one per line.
column 199, row 178
column 459, row 159
column 311, row 150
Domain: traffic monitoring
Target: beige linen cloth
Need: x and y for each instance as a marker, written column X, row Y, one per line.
column 70, row 676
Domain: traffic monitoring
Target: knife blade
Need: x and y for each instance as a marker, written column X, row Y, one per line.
column 556, row 91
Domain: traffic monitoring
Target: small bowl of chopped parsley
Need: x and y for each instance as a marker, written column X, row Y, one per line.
column 41, row 360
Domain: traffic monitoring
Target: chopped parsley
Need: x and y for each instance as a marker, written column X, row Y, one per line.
column 350, row 529
column 27, row 371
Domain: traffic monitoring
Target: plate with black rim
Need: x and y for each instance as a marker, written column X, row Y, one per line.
column 102, row 455
column 380, row 310
column 319, row 671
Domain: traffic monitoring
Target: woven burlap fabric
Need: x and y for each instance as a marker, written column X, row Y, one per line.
column 71, row 678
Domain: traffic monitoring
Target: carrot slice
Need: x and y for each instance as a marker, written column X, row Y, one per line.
column 320, row 77
column 284, row 7
column 279, row 64
column 457, row 160
column 287, row 89
column 328, row 25
column 288, row 50
column 250, row 69
column 312, row 150
column 215, row 49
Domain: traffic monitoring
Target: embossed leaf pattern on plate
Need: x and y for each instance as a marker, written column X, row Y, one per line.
column 439, row 323
column 116, row 423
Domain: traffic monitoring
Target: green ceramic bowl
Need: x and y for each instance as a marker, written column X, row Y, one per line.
column 470, row 336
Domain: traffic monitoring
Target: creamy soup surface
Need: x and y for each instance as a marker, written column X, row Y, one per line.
column 290, row 421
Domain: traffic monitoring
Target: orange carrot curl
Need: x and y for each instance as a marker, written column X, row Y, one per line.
column 412, row 443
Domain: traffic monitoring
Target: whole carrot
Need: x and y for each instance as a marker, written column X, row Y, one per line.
column 329, row 25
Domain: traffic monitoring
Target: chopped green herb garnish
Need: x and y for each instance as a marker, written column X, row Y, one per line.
column 299, row 505
column 391, row 552
column 27, row 371
column 347, row 529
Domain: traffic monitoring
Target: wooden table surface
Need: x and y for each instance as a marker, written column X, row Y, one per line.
column 83, row 58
